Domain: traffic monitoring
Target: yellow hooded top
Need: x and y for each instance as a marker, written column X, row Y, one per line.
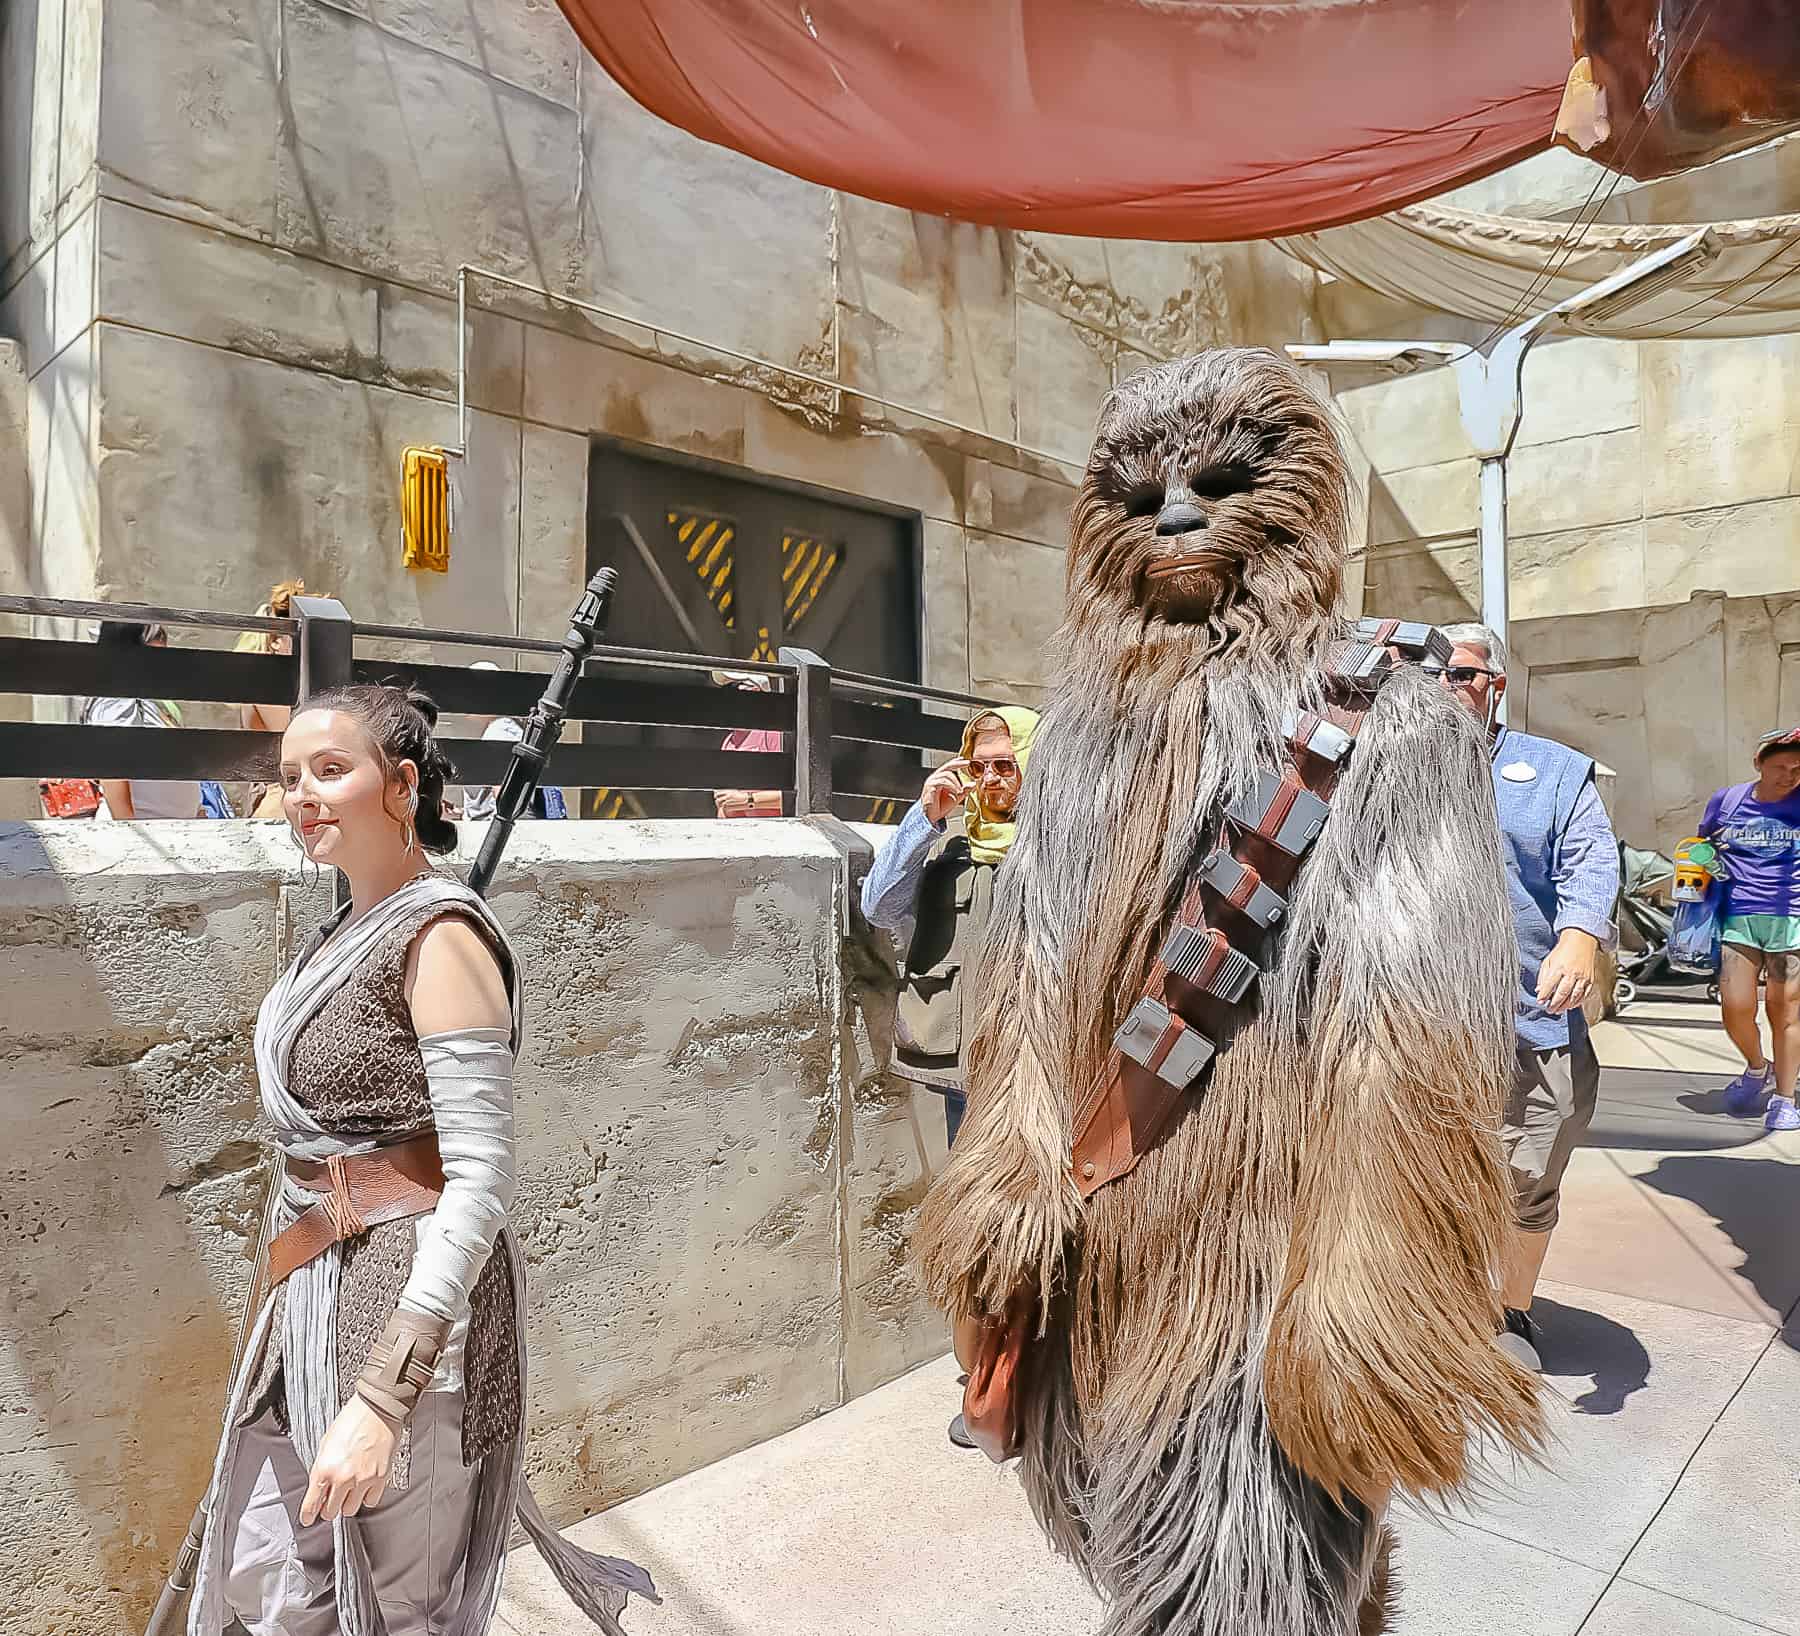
column 990, row 834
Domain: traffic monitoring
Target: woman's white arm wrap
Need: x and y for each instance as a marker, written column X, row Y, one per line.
column 470, row 1072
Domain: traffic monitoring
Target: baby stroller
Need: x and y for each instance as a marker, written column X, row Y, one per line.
column 1644, row 920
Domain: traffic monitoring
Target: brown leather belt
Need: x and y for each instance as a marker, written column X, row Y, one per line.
column 357, row 1192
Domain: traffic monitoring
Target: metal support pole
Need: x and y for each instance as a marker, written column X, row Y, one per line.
column 326, row 648
column 812, row 731
column 1494, row 564
column 327, row 645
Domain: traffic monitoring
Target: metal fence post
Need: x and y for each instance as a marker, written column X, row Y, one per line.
column 326, row 645
column 812, row 731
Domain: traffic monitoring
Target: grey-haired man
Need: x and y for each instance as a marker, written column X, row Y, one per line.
column 1562, row 876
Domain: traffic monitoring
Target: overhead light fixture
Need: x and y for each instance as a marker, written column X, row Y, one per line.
column 1379, row 357
column 1645, row 278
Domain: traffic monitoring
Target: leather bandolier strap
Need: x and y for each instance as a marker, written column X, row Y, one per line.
column 1233, row 909
column 357, row 1192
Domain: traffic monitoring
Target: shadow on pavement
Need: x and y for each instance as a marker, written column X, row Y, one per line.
column 1579, row 1342
column 1754, row 1202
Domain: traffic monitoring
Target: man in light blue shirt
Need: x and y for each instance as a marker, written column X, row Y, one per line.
column 1562, row 876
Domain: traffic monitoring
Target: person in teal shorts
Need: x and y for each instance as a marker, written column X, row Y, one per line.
column 1757, row 827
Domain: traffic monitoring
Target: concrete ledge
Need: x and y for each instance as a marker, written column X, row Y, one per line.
column 716, row 1175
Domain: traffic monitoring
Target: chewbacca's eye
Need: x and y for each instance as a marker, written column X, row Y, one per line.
column 1220, row 482
column 1145, row 500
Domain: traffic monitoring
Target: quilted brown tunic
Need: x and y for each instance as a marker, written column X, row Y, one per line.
column 356, row 1066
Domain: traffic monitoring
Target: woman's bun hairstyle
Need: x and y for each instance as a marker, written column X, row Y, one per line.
column 399, row 721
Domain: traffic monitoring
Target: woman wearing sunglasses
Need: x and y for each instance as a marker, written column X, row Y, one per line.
column 937, row 871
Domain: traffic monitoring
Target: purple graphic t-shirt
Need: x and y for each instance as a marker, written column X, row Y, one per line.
column 1761, row 841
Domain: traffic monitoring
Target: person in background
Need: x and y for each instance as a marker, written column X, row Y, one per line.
column 478, row 799
column 936, row 872
column 1757, row 826
column 138, row 797
column 748, row 803
column 1562, row 876
column 265, row 799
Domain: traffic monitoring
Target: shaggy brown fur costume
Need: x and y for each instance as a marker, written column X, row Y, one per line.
column 1288, row 1309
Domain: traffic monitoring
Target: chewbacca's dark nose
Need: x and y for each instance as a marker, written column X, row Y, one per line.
column 1179, row 516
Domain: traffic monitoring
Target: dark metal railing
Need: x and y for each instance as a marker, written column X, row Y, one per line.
column 651, row 720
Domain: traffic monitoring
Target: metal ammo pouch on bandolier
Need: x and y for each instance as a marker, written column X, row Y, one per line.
column 1234, row 906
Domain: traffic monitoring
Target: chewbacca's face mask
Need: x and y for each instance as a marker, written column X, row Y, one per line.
column 1214, row 480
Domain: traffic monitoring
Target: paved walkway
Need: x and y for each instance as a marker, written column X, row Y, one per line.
column 1667, row 1509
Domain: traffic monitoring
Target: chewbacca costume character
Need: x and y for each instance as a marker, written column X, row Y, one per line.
column 1275, row 1301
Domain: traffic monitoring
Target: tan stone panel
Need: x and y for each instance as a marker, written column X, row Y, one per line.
column 1065, row 372
column 418, row 349
column 553, row 488
column 1721, row 421
column 1270, row 299
column 1683, row 678
column 72, row 297
column 527, row 43
column 1580, row 571
column 193, row 111
column 1002, row 499
column 25, row 310
column 1423, row 502
column 1584, row 482
column 946, row 607
column 1600, row 711
column 1752, row 676
column 1615, row 635
column 1170, row 299
column 262, row 471
column 700, row 238
column 584, row 387
column 926, row 312
column 440, row 165
column 183, row 279
column 1128, row 361
column 921, row 475
column 44, row 42
column 1015, row 607
column 15, row 496
column 18, row 106
column 64, row 495
column 1745, row 550
column 1441, row 584
column 1576, row 386
column 78, row 139
column 1409, row 421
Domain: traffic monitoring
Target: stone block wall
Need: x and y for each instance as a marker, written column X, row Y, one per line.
column 251, row 313
column 717, row 1179
column 1672, row 698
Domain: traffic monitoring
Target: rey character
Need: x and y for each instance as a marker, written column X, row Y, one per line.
column 373, row 1454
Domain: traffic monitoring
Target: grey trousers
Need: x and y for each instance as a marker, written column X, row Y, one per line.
column 279, row 1576
column 1548, row 1111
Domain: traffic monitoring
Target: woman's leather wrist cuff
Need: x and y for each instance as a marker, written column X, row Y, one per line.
column 401, row 1365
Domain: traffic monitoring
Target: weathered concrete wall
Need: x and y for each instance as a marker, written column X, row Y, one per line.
column 285, row 189
column 716, row 1177
column 1671, row 697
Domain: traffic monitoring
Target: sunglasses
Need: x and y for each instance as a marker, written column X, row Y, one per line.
column 1782, row 735
column 1000, row 767
column 1460, row 675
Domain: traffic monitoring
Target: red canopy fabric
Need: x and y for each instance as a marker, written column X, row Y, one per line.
column 1145, row 119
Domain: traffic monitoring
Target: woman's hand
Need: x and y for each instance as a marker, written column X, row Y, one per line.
column 351, row 1471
